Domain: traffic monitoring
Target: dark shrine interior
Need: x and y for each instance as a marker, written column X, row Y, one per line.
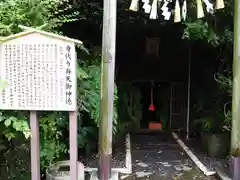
column 157, row 53
column 153, row 58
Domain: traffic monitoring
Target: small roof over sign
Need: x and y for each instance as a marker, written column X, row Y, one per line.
column 29, row 30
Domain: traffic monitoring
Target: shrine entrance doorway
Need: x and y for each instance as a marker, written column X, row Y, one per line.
column 159, row 68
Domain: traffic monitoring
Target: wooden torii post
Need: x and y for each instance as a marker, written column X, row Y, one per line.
column 235, row 137
column 107, row 88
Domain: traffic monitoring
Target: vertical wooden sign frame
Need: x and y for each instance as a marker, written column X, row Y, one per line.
column 35, row 146
column 73, row 145
column 73, row 134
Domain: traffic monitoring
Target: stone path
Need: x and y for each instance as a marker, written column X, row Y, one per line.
column 158, row 156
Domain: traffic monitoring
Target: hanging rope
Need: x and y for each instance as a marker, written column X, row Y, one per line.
column 180, row 8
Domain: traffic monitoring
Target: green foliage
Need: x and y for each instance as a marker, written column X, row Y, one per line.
column 32, row 13
column 52, row 139
column 89, row 76
column 86, row 136
column 214, row 114
column 224, row 79
column 214, row 29
column 47, row 15
column 213, row 122
column 14, row 150
column 89, row 84
column 11, row 125
column 15, row 161
column 130, row 107
column 200, row 30
column 92, row 88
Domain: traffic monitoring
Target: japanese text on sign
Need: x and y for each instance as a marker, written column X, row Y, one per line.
column 68, row 76
column 39, row 76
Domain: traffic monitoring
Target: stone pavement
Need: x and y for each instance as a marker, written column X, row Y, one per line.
column 158, row 156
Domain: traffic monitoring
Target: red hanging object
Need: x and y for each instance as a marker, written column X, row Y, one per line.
column 152, row 107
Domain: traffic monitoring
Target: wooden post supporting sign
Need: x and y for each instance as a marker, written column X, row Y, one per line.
column 73, row 145
column 35, row 146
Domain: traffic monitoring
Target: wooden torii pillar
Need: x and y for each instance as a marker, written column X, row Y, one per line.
column 107, row 89
column 235, row 137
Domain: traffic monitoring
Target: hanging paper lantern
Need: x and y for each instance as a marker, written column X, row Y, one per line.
column 134, row 5
column 153, row 14
column 200, row 13
column 219, row 4
column 177, row 12
column 184, row 10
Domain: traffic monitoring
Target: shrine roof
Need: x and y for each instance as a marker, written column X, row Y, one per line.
column 29, row 30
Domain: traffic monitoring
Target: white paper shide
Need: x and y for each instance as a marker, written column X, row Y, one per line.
column 40, row 72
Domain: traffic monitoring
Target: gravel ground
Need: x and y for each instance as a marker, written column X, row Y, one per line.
column 118, row 160
column 155, row 157
column 160, row 157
